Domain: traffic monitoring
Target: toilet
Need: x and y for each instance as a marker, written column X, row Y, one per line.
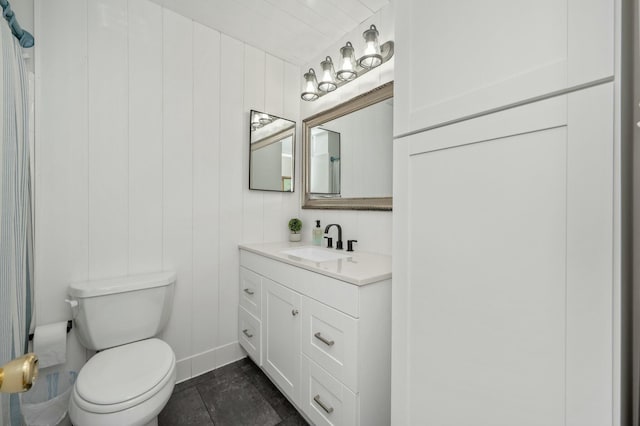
column 129, row 381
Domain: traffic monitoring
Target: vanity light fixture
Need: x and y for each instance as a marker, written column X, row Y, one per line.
column 328, row 80
column 348, row 65
column 310, row 91
column 260, row 119
column 350, row 68
column 265, row 119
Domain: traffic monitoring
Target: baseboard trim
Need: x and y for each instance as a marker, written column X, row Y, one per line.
column 203, row 362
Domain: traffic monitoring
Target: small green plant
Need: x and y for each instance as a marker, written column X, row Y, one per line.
column 295, row 225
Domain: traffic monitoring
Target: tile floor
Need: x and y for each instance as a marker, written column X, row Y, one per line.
column 236, row 394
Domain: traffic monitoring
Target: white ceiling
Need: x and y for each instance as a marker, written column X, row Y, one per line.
column 294, row 30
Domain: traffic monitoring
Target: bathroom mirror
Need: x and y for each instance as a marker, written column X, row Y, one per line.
column 348, row 154
column 271, row 153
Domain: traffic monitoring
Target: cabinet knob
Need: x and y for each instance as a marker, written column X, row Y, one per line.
column 294, row 312
column 249, row 291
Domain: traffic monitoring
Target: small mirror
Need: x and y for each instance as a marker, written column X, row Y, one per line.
column 272, row 152
column 348, row 154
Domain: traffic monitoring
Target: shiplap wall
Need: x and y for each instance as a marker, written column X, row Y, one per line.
column 371, row 229
column 142, row 161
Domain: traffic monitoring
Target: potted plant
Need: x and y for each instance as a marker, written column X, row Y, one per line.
column 295, row 225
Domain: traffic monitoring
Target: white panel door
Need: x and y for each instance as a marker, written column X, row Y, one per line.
column 503, row 272
column 281, row 345
column 458, row 59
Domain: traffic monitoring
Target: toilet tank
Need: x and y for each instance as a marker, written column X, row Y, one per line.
column 113, row 312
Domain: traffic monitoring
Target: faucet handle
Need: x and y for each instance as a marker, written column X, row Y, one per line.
column 329, row 242
column 350, row 244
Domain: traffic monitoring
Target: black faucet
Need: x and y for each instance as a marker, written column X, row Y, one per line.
column 339, row 242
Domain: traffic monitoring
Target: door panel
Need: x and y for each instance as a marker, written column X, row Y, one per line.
column 281, row 322
column 503, row 272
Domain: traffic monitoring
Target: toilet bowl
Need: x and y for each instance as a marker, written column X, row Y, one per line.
column 132, row 377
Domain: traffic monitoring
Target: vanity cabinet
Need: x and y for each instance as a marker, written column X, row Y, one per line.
column 326, row 343
column 457, row 60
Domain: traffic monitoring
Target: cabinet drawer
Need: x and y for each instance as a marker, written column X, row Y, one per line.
column 251, row 292
column 324, row 399
column 330, row 338
column 249, row 334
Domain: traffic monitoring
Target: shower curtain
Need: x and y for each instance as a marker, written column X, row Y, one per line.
column 16, row 257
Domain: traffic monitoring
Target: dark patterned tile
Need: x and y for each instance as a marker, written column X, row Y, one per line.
column 270, row 392
column 294, row 420
column 185, row 408
column 236, row 394
column 193, row 382
column 232, row 399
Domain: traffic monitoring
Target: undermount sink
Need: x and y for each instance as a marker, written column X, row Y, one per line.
column 315, row 254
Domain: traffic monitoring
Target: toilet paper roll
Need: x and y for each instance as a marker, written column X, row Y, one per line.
column 50, row 344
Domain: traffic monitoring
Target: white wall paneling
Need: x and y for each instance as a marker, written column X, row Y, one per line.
column 206, row 194
column 142, row 148
column 145, row 136
column 274, row 104
column 520, row 270
column 177, row 145
column 254, row 91
column 232, row 136
column 61, row 174
column 108, row 138
column 371, row 229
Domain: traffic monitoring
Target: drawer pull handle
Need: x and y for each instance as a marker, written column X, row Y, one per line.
column 249, row 291
column 323, row 340
column 294, row 312
column 246, row 333
column 329, row 410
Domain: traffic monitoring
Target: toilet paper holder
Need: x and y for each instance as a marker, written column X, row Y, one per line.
column 69, row 327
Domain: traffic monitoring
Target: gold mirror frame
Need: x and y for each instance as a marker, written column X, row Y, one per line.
column 361, row 203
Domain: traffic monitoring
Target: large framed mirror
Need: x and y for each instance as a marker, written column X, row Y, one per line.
column 272, row 142
column 348, row 154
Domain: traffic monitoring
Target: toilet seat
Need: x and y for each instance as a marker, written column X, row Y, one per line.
column 125, row 376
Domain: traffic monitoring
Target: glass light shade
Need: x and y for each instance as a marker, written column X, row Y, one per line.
column 327, row 81
column 348, row 67
column 265, row 119
column 310, row 89
column 372, row 57
column 255, row 121
column 18, row 375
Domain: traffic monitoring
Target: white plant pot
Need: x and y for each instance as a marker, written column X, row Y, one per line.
column 295, row 237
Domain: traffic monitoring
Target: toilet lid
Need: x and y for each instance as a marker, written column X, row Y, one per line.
column 124, row 372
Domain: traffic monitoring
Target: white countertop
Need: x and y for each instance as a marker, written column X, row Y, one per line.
column 361, row 269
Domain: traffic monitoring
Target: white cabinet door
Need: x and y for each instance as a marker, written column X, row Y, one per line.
column 503, row 268
column 281, row 323
column 459, row 59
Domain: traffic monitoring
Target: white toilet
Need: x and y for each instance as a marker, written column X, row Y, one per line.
column 131, row 379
